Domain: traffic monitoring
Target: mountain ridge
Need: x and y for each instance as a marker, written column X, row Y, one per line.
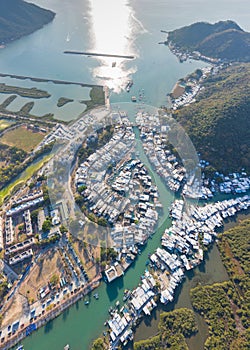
column 224, row 40
column 19, row 18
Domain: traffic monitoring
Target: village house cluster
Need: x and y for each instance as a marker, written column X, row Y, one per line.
column 181, row 251
column 154, row 138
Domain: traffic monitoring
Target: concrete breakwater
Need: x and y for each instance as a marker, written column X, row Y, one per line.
column 129, row 57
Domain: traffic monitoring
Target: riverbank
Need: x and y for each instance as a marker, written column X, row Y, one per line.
column 23, row 177
column 212, row 270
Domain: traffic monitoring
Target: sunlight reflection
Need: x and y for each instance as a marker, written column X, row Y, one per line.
column 113, row 29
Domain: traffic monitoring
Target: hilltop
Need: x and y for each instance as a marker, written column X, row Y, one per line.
column 222, row 40
column 19, row 18
column 218, row 122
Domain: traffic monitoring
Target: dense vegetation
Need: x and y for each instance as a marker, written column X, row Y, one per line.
column 234, row 246
column 226, row 306
column 19, row 18
column 94, row 142
column 174, row 327
column 218, row 123
column 97, row 98
column 224, row 39
column 14, row 160
column 11, row 159
column 23, row 92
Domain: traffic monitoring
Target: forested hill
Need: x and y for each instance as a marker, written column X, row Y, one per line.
column 19, row 18
column 219, row 121
column 224, row 40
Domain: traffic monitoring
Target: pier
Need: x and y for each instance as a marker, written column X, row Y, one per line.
column 128, row 57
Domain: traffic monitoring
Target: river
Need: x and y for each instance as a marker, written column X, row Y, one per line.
column 80, row 324
column 133, row 26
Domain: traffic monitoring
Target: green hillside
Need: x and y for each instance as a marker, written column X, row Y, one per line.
column 19, row 18
column 219, row 121
column 224, row 39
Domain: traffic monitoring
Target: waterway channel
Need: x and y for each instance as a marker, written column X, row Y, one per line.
column 86, row 321
column 81, row 323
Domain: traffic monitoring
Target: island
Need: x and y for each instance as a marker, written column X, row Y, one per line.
column 63, row 101
column 224, row 40
column 19, row 18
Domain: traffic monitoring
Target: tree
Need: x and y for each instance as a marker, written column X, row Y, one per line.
column 21, row 227
column 98, row 344
column 81, row 188
column 46, row 225
column 63, row 229
column 102, row 222
column 54, row 279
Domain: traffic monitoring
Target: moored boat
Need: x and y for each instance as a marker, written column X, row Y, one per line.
column 129, row 85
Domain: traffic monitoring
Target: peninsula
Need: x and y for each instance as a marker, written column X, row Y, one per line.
column 224, row 40
column 19, row 18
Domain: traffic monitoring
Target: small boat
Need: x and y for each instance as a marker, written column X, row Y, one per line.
column 86, row 302
column 20, row 347
column 96, row 296
column 66, row 347
column 68, row 38
column 127, row 294
column 129, row 85
column 133, row 98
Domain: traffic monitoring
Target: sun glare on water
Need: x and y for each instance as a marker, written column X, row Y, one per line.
column 113, row 29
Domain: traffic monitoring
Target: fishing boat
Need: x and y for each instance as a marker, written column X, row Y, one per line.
column 129, row 85
column 127, row 294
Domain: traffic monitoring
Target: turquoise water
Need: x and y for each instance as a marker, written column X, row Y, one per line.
column 155, row 68
column 79, row 25
column 79, row 325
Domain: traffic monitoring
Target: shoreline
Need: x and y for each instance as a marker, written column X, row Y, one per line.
column 50, row 315
column 47, row 80
column 155, row 316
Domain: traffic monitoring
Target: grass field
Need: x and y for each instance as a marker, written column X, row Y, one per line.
column 22, row 138
column 23, row 177
column 4, row 123
column 45, row 268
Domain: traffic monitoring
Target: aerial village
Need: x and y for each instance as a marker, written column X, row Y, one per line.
column 193, row 228
column 117, row 187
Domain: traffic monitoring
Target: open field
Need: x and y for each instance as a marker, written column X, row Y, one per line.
column 177, row 91
column 22, row 138
column 22, row 178
column 4, row 123
column 48, row 265
column 18, row 306
column 86, row 253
